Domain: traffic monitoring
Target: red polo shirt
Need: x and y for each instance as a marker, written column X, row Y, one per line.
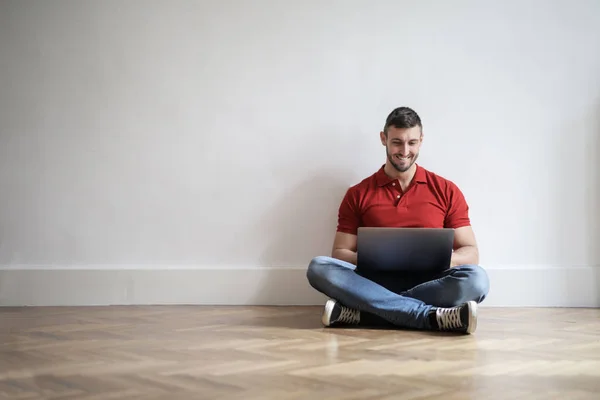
column 430, row 201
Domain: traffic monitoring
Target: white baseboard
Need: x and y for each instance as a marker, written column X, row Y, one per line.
column 510, row 287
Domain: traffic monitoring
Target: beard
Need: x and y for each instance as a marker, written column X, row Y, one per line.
column 398, row 167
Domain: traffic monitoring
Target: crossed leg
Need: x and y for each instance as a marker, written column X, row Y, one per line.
column 406, row 302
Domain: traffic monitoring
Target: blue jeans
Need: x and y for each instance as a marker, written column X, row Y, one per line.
column 399, row 299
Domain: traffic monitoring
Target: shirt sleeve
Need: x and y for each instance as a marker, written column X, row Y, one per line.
column 458, row 210
column 348, row 213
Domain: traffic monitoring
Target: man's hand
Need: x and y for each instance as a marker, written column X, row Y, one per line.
column 465, row 247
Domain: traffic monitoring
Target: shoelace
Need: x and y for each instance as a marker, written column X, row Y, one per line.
column 448, row 318
column 349, row 316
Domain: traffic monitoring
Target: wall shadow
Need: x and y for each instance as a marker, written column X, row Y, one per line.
column 576, row 226
column 591, row 191
column 300, row 226
column 594, row 201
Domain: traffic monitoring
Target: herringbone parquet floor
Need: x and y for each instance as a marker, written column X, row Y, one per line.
column 187, row 352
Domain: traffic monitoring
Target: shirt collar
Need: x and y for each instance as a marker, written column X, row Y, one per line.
column 382, row 179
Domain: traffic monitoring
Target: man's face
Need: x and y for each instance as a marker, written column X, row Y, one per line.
column 402, row 146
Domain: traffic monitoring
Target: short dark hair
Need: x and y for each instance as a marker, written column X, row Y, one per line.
column 402, row 118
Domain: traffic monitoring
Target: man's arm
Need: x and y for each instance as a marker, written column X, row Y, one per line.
column 465, row 247
column 349, row 216
column 344, row 247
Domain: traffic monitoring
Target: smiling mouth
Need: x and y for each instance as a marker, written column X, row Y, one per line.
column 402, row 158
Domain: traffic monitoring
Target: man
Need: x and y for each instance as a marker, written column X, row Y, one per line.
column 402, row 194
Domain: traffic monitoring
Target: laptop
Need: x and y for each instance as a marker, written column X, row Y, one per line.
column 404, row 249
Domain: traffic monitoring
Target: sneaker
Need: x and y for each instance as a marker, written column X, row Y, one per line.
column 336, row 313
column 462, row 318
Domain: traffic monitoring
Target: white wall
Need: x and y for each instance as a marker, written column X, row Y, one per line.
column 199, row 141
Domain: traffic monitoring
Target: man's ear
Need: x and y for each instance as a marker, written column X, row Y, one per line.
column 382, row 137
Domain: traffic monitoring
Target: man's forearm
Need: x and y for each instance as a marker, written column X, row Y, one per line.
column 345, row 255
column 465, row 255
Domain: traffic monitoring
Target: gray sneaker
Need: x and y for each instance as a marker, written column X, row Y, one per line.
column 335, row 313
column 461, row 318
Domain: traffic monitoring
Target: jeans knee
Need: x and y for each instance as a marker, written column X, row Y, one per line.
column 317, row 270
column 477, row 284
column 325, row 273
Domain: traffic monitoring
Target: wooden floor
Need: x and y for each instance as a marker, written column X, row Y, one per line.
column 187, row 352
